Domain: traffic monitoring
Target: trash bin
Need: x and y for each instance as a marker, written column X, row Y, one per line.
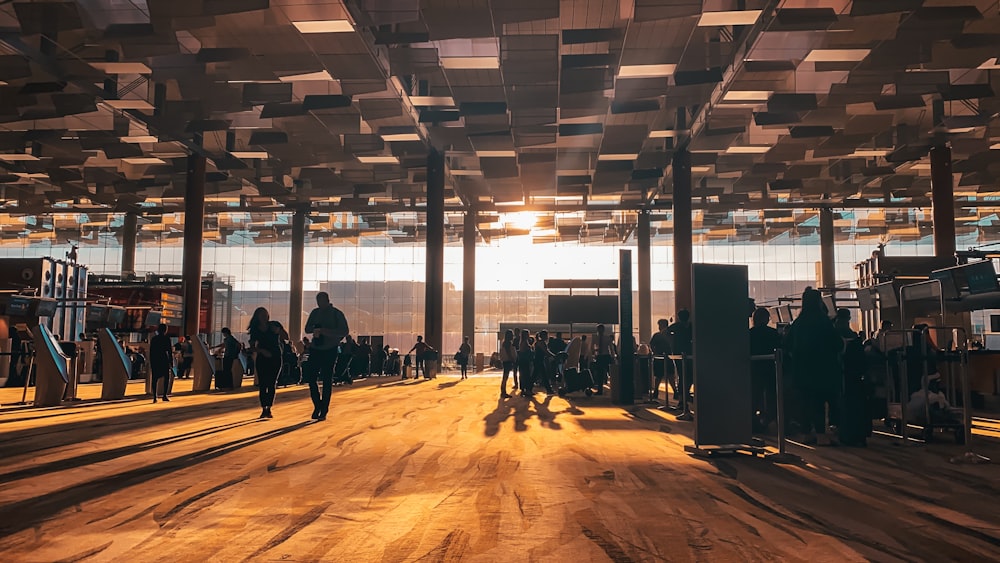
column 480, row 361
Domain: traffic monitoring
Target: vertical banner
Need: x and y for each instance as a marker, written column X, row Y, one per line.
column 722, row 392
column 626, row 349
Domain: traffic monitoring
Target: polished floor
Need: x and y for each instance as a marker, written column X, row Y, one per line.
column 441, row 470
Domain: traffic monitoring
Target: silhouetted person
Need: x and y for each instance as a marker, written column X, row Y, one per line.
column 161, row 360
column 815, row 346
column 764, row 340
column 265, row 343
column 854, row 423
column 663, row 367
column 681, row 342
column 464, row 351
column 508, row 358
column 524, row 356
column 542, row 358
column 230, row 352
column 420, row 349
column 328, row 326
column 604, row 355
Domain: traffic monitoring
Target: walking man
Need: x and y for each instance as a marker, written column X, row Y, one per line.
column 328, row 326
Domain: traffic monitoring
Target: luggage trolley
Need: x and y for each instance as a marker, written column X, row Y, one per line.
column 914, row 356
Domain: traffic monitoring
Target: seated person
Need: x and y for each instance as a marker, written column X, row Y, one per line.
column 934, row 397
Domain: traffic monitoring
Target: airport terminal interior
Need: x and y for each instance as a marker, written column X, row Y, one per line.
column 454, row 169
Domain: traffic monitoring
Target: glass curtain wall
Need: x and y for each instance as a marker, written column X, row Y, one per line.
column 378, row 280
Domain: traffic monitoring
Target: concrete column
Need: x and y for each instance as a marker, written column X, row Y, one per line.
column 194, row 223
column 645, row 292
column 434, row 289
column 827, row 258
column 297, row 275
column 682, row 229
column 943, row 201
column 469, row 236
column 130, row 231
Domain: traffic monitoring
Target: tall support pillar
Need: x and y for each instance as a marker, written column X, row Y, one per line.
column 943, row 201
column 645, row 291
column 297, row 275
column 194, row 223
column 130, row 231
column 827, row 258
column 469, row 236
column 682, row 229
column 434, row 289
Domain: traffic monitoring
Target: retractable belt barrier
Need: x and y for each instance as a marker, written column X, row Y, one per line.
column 779, row 376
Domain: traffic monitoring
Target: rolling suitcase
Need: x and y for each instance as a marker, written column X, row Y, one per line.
column 575, row 380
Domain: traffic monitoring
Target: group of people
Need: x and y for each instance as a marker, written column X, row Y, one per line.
column 269, row 347
column 540, row 359
column 825, row 383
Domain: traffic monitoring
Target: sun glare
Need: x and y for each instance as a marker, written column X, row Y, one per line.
column 520, row 219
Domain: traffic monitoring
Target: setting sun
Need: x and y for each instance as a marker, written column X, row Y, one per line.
column 520, row 219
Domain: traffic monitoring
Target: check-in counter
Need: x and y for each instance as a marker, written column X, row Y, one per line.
column 203, row 366
column 115, row 367
column 51, row 366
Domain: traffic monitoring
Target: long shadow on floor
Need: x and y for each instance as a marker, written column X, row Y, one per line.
column 27, row 513
column 45, row 437
column 107, row 455
column 520, row 408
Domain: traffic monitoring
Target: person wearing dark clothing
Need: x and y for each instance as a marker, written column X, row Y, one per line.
column 422, row 349
column 328, row 326
column 681, row 336
column 462, row 357
column 558, row 346
column 663, row 367
column 266, row 337
column 230, row 351
column 855, row 423
column 161, row 360
column 363, row 354
column 508, row 359
column 604, row 356
column 524, row 356
column 542, row 358
column 814, row 347
column 764, row 340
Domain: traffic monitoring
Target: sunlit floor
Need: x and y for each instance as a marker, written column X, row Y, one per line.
column 440, row 470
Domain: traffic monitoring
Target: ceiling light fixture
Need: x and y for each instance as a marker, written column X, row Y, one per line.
column 747, row 96
column 402, row 137
column 129, row 104
column 309, row 76
column 432, row 101
column 122, row 68
column 378, row 160
column 470, row 63
column 646, row 71
column 466, row 172
column 836, row 55
column 251, row 154
column 722, row 19
column 607, row 157
column 324, row 26
column 748, row 150
column 135, row 139
column 143, row 160
column 496, row 154
column 990, row 64
column 869, row 153
column 666, row 133
column 701, row 169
